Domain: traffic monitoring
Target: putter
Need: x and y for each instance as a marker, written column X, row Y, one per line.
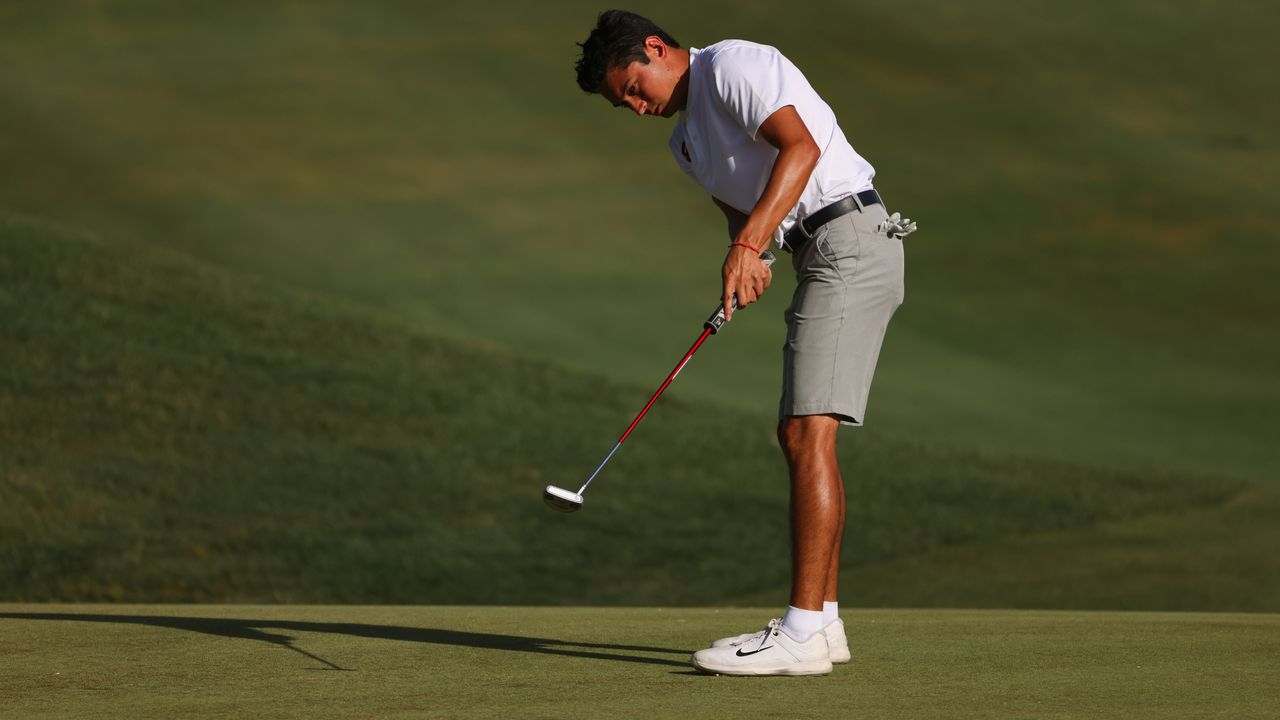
column 558, row 498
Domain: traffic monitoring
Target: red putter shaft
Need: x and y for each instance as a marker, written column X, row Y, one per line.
column 710, row 327
column 684, row 361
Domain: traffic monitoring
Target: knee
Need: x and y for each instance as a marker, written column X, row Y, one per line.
column 804, row 434
column 782, row 436
column 789, row 435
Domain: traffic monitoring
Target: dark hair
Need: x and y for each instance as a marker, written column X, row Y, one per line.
column 616, row 42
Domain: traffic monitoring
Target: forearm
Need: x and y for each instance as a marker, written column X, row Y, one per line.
column 745, row 276
column 791, row 171
column 733, row 217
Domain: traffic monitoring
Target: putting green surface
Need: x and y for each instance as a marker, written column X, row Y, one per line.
column 194, row 661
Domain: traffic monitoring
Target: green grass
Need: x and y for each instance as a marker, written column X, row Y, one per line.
column 1092, row 283
column 164, row 661
column 170, row 431
column 305, row 303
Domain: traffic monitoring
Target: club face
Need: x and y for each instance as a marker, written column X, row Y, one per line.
column 560, row 499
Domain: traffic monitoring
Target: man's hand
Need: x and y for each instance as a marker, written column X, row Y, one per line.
column 746, row 276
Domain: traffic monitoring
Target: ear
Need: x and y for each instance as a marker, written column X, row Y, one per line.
column 655, row 46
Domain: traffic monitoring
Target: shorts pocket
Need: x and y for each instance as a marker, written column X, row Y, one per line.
column 840, row 245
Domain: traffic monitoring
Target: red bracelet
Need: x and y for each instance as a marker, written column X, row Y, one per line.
column 749, row 247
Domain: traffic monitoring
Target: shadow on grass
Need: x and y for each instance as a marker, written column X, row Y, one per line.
column 257, row 630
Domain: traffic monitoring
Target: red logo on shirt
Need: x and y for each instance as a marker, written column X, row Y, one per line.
column 685, row 151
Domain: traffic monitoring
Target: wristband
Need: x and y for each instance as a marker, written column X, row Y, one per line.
column 749, row 247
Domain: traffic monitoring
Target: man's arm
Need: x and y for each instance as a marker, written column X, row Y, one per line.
column 744, row 274
column 732, row 215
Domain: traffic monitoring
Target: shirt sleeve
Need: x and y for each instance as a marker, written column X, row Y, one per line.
column 752, row 85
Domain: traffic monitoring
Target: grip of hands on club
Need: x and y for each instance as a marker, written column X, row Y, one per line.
column 745, row 275
column 745, row 278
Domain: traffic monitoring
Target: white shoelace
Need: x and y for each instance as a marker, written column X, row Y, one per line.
column 769, row 630
column 763, row 631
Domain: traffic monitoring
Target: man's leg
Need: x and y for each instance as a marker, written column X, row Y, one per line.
column 817, row 507
column 833, row 570
column 796, row 645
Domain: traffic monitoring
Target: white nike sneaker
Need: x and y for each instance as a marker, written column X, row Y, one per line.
column 837, row 642
column 773, row 653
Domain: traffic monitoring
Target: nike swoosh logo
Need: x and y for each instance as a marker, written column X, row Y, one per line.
column 753, row 652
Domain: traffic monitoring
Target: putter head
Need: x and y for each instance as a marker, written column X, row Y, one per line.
column 561, row 499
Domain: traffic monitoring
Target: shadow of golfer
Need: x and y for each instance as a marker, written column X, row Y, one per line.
column 257, row 630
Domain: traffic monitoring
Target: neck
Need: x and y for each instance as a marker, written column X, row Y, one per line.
column 680, row 93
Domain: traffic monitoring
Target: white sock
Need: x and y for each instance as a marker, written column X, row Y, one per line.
column 801, row 624
column 830, row 612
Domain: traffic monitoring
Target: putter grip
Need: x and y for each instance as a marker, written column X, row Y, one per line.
column 716, row 321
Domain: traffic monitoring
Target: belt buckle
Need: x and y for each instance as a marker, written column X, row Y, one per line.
column 797, row 229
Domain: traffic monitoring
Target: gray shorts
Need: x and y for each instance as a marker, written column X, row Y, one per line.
column 849, row 280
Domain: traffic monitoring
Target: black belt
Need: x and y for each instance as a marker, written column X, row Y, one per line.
column 802, row 232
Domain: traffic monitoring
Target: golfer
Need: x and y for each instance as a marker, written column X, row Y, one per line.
column 756, row 136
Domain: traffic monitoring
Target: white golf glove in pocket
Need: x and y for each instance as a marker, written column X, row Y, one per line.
column 897, row 226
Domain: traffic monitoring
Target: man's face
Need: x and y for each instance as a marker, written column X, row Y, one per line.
column 647, row 89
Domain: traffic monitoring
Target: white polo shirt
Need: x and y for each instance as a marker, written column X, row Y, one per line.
column 734, row 86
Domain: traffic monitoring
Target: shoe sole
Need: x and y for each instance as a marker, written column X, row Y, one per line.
column 817, row 667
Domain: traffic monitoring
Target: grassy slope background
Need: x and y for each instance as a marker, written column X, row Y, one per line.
column 1093, row 281
column 304, row 353
column 175, row 432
